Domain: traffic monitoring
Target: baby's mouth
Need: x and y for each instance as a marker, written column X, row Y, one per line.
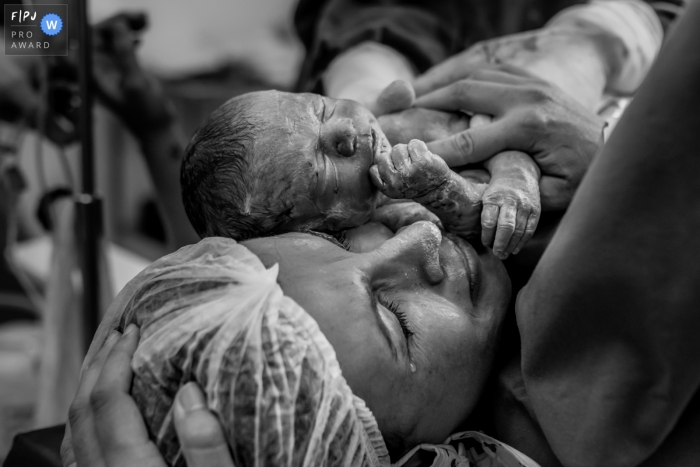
column 379, row 144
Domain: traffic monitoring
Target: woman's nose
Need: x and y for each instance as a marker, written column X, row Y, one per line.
column 415, row 251
column 344, row 137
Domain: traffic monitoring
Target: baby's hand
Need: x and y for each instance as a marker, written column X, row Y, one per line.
column 410, row 171
column 511, row 210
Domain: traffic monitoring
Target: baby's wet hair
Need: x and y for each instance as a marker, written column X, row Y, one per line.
column 217, row 179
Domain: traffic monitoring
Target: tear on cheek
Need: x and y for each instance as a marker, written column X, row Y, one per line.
column 311, row 245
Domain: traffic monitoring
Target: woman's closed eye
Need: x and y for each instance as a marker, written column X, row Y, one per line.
column 400, row 315
column 338, row 238
column 342, row 239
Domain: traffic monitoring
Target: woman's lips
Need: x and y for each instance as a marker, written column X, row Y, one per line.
column 471, row 260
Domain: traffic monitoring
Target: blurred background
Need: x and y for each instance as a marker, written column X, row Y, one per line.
column 204, row 52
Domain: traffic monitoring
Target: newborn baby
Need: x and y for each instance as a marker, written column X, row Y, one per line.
column 271, row 162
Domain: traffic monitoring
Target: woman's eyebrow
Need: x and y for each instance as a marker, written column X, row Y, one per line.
column 380, row 322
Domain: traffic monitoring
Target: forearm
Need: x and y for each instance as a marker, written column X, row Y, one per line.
column 163, row 150
column 362, row 72
column 608, row 319
column 622, row 37
column 424, row 31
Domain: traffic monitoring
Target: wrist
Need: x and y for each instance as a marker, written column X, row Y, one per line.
column 512, row 164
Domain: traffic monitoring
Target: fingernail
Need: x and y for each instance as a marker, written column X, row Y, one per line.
column 191, row 398
column 113, row 334
column 130, row 328
column 516, row 251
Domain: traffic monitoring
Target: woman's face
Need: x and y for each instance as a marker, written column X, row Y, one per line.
column 413, row 323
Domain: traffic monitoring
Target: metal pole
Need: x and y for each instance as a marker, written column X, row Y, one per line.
column 89, row 206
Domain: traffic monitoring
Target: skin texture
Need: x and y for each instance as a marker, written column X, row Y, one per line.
column 511, row 199
column 413, row 172
column 452, row 299
column 511, row 203
column 400, row 214
column 313, row 153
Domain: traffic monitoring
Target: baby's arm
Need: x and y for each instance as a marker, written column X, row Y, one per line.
column 511, row 203
column 413, row 172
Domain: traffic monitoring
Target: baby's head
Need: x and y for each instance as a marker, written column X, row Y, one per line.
column 270, row 162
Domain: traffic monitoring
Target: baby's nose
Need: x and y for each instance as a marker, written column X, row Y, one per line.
column 346, row 145
column 346, row 138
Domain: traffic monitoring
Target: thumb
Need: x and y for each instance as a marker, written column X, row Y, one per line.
column 67, row 454
column 399, row 95
column 472, row 145
column 201, row 436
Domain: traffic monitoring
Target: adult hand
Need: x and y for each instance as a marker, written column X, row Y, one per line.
column 134, row 95
column 529, row 115
column 107, row 428
column 566, row 55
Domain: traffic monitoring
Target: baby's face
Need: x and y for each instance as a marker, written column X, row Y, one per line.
column 319, row 151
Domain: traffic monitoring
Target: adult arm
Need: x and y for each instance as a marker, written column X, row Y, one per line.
column 605, row 45
column 609, row 317
column 140, row 102
column 425, row 32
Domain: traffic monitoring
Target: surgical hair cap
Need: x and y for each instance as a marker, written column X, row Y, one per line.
column 213, row 314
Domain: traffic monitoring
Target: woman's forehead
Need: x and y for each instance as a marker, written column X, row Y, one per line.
column 296, row 253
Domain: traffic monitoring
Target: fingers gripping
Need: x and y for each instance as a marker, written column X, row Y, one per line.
column 507, row 221
column 489, row 221
column 409, row 172
column 507, row 225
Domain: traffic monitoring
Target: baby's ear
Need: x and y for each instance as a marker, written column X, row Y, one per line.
column 396, row 97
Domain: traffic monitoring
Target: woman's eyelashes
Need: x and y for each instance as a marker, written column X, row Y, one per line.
column 342, row 240
column 338, row 238
column 394, row 308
